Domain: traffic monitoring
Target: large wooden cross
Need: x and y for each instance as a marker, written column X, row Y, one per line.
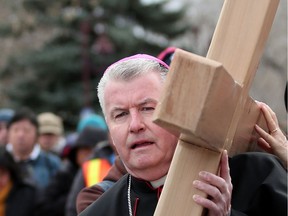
column 207, row 100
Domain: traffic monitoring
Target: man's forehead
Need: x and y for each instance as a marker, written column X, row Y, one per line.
column 133, row 93
column 23, row 122
column 139, row 82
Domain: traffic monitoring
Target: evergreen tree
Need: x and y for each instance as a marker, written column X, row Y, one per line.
column 62, row 76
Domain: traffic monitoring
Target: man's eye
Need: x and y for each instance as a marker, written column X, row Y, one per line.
column 120, row 115
column 148, row 108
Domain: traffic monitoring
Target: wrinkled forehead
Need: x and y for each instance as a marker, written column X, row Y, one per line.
column 137, row 91
column 131, row 68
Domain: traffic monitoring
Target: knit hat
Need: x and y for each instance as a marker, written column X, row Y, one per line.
column 6, row 114
column 50, row 123
column 89, row 137
column 91, row 120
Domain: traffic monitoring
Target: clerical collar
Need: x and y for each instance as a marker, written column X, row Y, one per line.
column 33, row 156
column 159, row 182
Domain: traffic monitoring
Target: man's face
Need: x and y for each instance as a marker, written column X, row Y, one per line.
column 145, row 148
column 48, row 141
column 22, row 135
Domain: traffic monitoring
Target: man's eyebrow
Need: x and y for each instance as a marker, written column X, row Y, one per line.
column 142, row 103
column 147, row 101
column 117, row 109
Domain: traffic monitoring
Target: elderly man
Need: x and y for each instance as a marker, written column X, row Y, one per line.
column 128, row 93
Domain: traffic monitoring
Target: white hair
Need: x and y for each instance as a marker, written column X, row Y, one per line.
column 126, row 71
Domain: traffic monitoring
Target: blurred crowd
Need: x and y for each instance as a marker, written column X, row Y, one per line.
column 42, row 168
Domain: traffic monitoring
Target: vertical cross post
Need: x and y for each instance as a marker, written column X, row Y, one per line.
column 207, row 101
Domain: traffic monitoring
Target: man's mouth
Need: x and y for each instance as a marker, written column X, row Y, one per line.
column 141, row 144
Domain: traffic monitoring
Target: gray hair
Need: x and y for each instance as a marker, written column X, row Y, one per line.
column 128, row 70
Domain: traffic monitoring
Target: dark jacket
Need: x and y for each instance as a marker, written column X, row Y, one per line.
column 259, row 189
column 52, row 200
column 102, row 150
column 40, row 170
column 20, row 201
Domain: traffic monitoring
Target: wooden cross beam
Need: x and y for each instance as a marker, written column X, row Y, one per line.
column 207, row 101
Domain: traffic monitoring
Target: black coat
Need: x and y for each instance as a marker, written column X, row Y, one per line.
column 20, row 201
column 259, row 189
column 105, row 152
column 259, row 185
column 52, row 200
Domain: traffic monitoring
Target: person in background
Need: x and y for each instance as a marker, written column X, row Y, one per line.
column 93, row 170
column 16, row 196
column 53, row 199
column 35, row 164
column 51, row 132
column 91, row 193
column 5, row 116
column 274, row 141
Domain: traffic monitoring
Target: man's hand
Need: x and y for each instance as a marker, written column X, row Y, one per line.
column 218, row 189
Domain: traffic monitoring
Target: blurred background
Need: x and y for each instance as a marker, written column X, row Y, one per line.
column 54, row 52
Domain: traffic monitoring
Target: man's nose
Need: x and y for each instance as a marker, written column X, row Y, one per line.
column 137, row 122
column 21, row 133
